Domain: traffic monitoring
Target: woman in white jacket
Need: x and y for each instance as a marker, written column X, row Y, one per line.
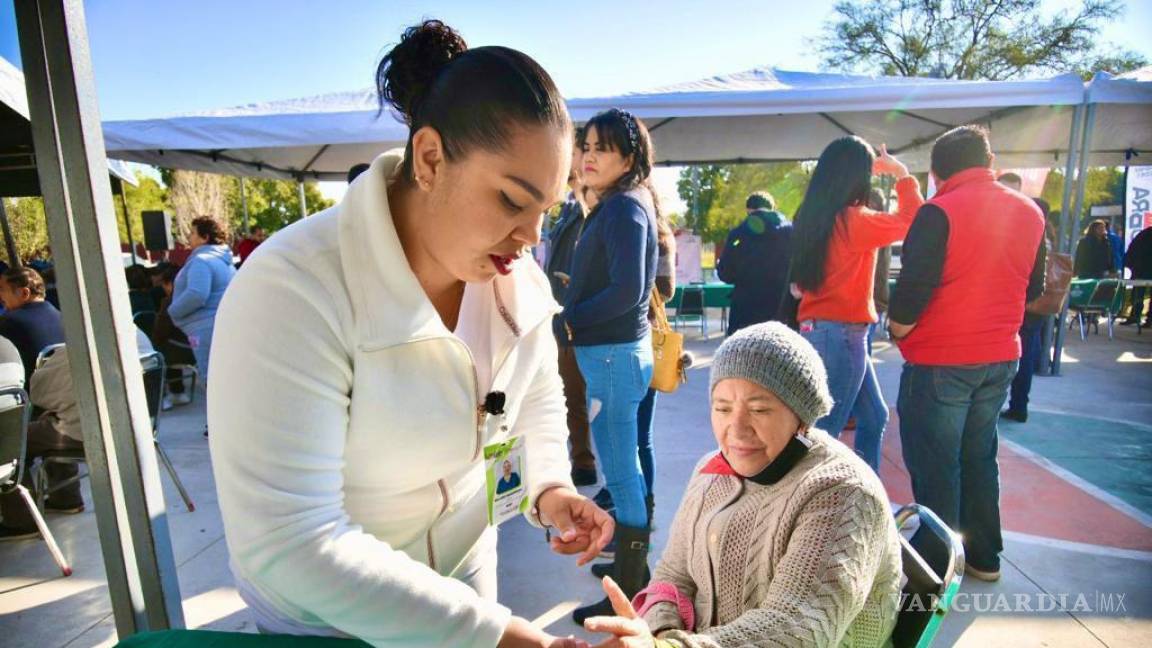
column 376, row 349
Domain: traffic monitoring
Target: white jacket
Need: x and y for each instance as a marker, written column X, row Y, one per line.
column 346, row 435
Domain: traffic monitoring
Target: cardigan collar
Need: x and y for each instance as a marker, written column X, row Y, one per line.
column 791, row 455
column 390, row 306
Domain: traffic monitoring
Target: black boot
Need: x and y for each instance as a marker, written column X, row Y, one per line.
column 600, row 570
column 630, row 571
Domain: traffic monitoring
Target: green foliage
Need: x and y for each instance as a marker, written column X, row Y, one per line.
column 272, row 204
column 724, row 188
column 149, row 195
column 970, row 39
column 1103, row 186
column 29, row 225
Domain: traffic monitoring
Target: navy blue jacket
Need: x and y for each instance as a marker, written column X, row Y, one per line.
column 755, row 262
column 561, row 246
column 613, row 271
column 32, row 327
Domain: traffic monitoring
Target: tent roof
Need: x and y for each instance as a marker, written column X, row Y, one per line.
column 17, row 161
column 765, row 114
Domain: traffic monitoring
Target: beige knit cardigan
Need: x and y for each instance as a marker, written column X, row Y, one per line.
column 812, row 560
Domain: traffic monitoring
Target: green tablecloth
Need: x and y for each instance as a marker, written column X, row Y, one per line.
column 716, row 295
column 209, row 639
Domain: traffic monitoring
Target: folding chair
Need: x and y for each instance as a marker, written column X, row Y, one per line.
column 15, row 412
column 152, row 365
column 929, row 589
column 1107, row 299
column 691, row 306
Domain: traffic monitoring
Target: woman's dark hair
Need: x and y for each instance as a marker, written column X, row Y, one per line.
column 137, row 277
column 471, row 97
column 169, row 273
column 624, row 133
column 210, row 229
column 25, row 277
column 842, row 178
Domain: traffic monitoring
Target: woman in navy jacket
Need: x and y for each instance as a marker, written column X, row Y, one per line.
column 606, row 317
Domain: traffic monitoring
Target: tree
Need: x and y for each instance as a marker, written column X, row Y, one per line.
column 29, row 225
column 970, row 39
column 192, row 194
column 725, row 188
column 272, row 204
column 1102, row 186
column 148, row 195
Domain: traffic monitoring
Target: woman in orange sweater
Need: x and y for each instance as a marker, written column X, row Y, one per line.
column 834, row 244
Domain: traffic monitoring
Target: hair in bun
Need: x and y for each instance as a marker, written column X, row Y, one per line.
column 407, row 72
column 471, row 97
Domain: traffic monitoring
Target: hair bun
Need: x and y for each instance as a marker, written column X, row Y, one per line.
column 407, row 72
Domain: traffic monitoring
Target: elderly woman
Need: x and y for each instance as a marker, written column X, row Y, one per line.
column 784, row 536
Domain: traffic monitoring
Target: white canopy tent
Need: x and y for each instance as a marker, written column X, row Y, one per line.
column 759, row 115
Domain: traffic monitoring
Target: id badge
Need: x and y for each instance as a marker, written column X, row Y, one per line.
column 507, row 489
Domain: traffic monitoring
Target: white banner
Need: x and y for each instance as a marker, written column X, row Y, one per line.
column 688, row 258
column 1137, row 202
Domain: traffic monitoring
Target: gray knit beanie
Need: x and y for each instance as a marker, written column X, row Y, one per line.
column 779, row 360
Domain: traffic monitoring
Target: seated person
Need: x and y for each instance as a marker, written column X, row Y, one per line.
column 56, row 428
column 172, row 342
column 784, row 536
column 30, row 322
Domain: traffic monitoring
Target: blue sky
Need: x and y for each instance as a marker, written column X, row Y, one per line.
column 163, row 58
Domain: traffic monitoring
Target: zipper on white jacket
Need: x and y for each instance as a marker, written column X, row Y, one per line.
column 443, row 508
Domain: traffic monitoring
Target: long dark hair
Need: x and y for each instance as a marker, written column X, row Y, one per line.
column 624, row 133
column 842, row 178
column 472, row 97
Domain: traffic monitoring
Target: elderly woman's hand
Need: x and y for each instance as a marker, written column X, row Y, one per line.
column 627, row 628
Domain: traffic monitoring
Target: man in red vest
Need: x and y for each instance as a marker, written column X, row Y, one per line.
column 972, row 258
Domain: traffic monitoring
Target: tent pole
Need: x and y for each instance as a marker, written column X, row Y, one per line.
column 1052, row 359
column 303, row 202
column 9, row 242
column 244, row 205
column 127, row 218
column 1072, row 220
column 131, row 518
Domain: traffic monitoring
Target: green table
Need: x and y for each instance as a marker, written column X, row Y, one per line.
column 716, row 295
column 1080, row 291
column 210, row 639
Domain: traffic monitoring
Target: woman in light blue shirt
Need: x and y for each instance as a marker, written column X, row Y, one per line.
column 200, row 286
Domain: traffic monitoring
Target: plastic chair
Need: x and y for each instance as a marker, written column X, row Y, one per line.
column 152, row 365
column 1107, row 300
column 15, row 411
column 691, row 306
column 927, row 595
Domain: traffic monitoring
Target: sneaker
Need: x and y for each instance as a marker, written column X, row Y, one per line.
column 166, row 404
column 9, row 533
column 182, row 398
column 1014, row 415
column 980, row 574
column 584, row 476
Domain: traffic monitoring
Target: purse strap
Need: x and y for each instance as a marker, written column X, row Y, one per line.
column 657, row 307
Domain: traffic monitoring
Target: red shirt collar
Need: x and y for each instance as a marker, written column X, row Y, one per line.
column 966, row 176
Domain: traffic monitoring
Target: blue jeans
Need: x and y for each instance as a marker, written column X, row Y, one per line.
column 948, row 420
column 200, row 339
column 617, row 377
column 852, row 382
column 644, row 418
column 1030, row 350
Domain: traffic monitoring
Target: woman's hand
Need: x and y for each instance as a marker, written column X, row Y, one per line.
column 582, row 527
column 522, row 634
column 887, row 165
column 627, row 628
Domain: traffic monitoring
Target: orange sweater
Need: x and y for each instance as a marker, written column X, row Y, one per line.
column 846, row 295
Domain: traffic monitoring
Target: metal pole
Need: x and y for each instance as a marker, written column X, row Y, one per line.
column 1073, row 219
column 9, row 242
column 1051, row 355
column 127, row 219
column 107, row 380
column 303, row 202
column 244, row 205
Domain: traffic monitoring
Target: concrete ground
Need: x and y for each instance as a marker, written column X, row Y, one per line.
column 1077, row 493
